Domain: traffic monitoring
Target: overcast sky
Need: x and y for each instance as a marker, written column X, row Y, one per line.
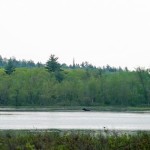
column 114, row 32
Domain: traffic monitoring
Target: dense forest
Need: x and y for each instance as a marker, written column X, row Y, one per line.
column 25, row 83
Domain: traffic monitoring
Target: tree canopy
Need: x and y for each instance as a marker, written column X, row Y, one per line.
column 10, row 68
column 78, row 86
column 52, row 64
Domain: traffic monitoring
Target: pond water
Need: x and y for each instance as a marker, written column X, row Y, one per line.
column 75, row 120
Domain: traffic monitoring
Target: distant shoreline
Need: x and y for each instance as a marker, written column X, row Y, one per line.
column 77, row 109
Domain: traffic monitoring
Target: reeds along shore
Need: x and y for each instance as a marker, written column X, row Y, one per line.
column 74, row 140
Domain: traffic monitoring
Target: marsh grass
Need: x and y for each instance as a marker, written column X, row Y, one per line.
column 74, row 140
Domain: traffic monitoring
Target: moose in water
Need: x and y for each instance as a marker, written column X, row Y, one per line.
column 85, row 109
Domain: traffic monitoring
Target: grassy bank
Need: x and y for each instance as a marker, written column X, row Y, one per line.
column 73, row 140
column 76, row 108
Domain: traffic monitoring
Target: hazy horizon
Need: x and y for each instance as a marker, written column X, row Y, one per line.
column 109, row 32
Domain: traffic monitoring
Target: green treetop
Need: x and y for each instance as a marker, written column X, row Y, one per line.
column 10, row 68
column 52, row 65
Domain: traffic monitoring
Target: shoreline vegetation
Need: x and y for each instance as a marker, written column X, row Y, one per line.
column 54, row 85
column 76, row 109
column 62, row 87
column 74, row 140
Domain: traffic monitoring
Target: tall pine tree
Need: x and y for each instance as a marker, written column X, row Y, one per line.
column 9, row 68
column 52, row 65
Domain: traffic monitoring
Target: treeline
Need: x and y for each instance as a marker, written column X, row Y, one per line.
column 19, row 63
column 31, row 64
column 74, row 87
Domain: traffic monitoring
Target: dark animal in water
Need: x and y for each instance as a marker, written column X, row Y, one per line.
column 85, row 109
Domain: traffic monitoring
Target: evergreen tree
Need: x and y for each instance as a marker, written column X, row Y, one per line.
column 52, row 65
column 1, row 61
column 10, row 68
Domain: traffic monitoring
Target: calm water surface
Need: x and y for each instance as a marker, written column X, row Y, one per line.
column 74, row 120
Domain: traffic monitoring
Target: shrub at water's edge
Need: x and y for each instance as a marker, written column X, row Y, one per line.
column 74, row 140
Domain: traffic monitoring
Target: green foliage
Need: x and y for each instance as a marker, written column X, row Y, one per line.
column 59, row 76
column 74, row 140
column 144, row 77
column 52, row 65
column 10, row 68
column 73, row 87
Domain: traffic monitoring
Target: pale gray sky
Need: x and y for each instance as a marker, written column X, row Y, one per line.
column 114, row 32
